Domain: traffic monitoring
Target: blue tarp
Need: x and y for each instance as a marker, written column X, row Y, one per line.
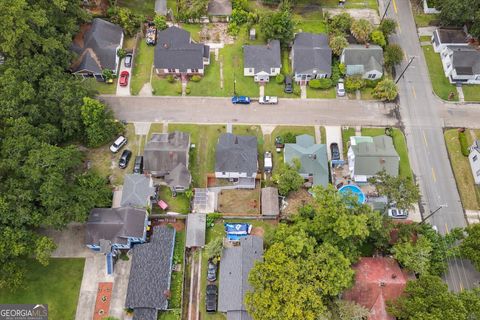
column 237, row 230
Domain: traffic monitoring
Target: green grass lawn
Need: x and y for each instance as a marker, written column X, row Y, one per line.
column 471, row 92
column 286, row 66
column 177, row 277
column 161, row 87
column 179, row 204
column 172, row 4
column 469, row 193
column 145, row 7
column 101, row 87
column 321, row 94
column 209, row 85
column 202, row 158
column 311, row 22
column 346, row 134
column 425, row 20
column 57, row 285
column 272, row 88
column 194, row 29
column 425, row 38
column 440, row 83
column 169, row 315
column 352, row 4
column 142, row 67
column 323, row 134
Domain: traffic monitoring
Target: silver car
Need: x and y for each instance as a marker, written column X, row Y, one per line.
column 340, row 88
column 118, row 144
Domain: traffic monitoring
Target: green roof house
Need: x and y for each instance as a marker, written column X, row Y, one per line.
column 313, row 159
column 367, row 156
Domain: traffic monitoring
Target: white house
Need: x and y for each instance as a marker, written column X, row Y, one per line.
column 444, row 37
column 365, row 61
column 262, row 61
column 474, row 159
column 236, row 157
column 461, row 64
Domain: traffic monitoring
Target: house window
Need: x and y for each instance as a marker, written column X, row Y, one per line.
column 478, row 173
column 448, row 66
column 171, row 70
column 194, row 70
column 250, row 70
column 475, row 157
column 372, row 76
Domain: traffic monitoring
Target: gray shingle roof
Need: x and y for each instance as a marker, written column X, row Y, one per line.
column 373, row 157
column 145, row 314
column 151, row 270
column 465, row 60
column 313, row 158
column 196, row 226
column 115, row 225
column 270, row 204
column 137, row 190
column 370, row 58
column 174, row 50
column 179, row 177
column 311, row 52
column 262, row 57
column 99, row 48
column 449, row 35
column 165, row 151
column 235, row 265
column 236, row 154
column 219, row 8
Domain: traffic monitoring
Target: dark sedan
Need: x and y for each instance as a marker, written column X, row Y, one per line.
column 124, row 159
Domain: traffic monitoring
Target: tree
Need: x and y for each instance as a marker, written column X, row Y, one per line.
column 354, row 83
column 386, row 90
column 470, row 246
column 388, row 27
column 214, row 248
column 414, row 256
column 287, row 179
column 348, row 310
column 361, row 30
column 340, row 24
column 338, row 43
column 278, row 25
column 393, row 55
column 377, row 37
column 127, row 19
column 460, row 12
column 160, row 22
column 399, row 190
column 100, row 126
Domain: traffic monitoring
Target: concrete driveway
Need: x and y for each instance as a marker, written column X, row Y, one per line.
column 334, row 134
column 70, row 241
column 124, row 91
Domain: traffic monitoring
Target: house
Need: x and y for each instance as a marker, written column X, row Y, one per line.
column 364, row 61
column 236, row 157
column 445, row 37
column 179, row 179
column 461, row 64
column 164, row 153
column 311, row 57
column 235, row 265
column 367, row 156
column 474, row 159
column 270, row 203
column 262, row 61
column 196, row 226
column 313, row 159
column 161, row 7
column 219, row 10
column 176, row 54
column 150, row 275
column 377, row 280
column 137, row 191
column 96, row 48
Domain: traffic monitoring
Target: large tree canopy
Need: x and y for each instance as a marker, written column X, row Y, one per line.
column 460, row 12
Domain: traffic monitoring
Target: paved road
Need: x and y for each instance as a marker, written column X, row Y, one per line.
column 421, row 115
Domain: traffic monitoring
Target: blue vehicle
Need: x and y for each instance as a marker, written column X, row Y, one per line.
column 240, row 100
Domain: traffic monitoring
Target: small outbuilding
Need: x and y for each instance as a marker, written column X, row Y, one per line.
column 270, row 203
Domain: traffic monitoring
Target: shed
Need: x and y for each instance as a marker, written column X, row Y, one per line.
column 270, row 203
column 196, row 226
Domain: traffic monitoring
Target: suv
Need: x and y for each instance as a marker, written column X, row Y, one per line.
column 138, row 166
column 124, row 159
column 211, row 298
column 335, row 151
column 288, row 85
column 211, row 272
column 118, row 144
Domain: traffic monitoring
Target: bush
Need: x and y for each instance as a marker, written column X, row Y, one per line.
column 195, row 78
column 320, row 83
column 289, row 138
column 297, row 91
column 170, row 78
column 371, row 83
column 212, row 217
column 187, row 90
column 121, row 53
column 463, row 143
column 280, row 78
column 335, row 73
column 378, row 37
column 353, row 84
column 179, row 89
column 314, row 84
column 342, row 68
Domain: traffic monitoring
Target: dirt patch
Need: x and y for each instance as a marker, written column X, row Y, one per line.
column 178, row 224
column 216, row 33
column 257, row 231
column 239, row 201
column 295, row 201
column 367, row 14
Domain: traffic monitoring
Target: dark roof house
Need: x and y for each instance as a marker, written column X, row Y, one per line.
column 150, row 275
column 270, row 203
column 176, row 51
column 237, row 155
column 165, row 151
column 363, row 60
column 179, row 178
column 97, row 48
column 311, row 56
column 465, row 61
column 262, row 58
column 443, row 37
column 137, row 191
column 235, row 265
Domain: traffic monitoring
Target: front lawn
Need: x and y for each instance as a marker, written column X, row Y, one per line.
column 321, row 94
column 440, row 83
column 209, row 85
column 101, row 87
column 142, row 67
column 471, row 92
column 57, row 285
column 161, row 87
column 352, row 4
column 426, row 20
column 145, row 7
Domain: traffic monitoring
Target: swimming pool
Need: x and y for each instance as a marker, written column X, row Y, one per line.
column 355, row 190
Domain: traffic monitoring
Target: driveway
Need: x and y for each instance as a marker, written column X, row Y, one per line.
column 334, row 134
column 70, row 241
column 124, row 91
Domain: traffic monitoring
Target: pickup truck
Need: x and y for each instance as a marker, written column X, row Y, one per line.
column 268, row 100
column 151, row 35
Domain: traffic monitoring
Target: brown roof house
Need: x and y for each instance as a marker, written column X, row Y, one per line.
column 166, row 156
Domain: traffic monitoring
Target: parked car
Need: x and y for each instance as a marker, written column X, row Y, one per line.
column 335, row 152
column 151, row 35
column 240, row 100
column 268, row 100
column 128, row 60
column 211, row 299
column 288, row 85
column 124, row 159
column 340, row 88
column 212, row 289
column 211, row 271
column 268, row 165
column 138, row 165
column 396, row 213
column 279, row 145
column 124, row 78
column 118, row 144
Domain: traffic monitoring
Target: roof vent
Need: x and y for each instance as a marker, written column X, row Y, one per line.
column 382, row 284
column 394, row 275
column 165, row 45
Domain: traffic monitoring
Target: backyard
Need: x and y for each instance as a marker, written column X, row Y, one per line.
column 57, row 285
column 440, row 83
column 179, row 203
column 100, row 87
column 240, row 201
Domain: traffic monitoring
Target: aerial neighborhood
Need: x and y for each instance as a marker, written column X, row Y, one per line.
column 240, row 159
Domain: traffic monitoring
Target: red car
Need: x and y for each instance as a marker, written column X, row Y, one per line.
column 124, row 78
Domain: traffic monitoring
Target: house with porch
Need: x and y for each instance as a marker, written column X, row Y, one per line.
column 311, row 57
column 262, row 61
column 474, row 159
column 364, row 61
column 96, row 48
column 177, row 54
column 461, row 64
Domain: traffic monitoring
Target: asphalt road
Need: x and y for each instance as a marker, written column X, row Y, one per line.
column 421, row 113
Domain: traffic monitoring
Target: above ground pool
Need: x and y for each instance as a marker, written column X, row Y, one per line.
column 353, row 189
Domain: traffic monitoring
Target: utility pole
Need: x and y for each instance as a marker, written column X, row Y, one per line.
column 385, row 13
column 408, row 65
column 432, row 213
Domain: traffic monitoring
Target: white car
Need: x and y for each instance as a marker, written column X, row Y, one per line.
column 396, row 213
column 268, row 165
column 340, row 88
column 118, row 144
column 268, row 100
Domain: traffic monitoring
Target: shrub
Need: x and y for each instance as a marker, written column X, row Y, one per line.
column 160, row 22
column 378, row 37
column 314, row 84
column 195, row 78
column 188, row 90
column 325, row 83
column 121, row 53
column 170, row 78
column 463, row 143
column 212, row 217
column 338, row 43
column 179, row 89
column 385, row 90
column 280, row 78
column 297, row 91
column 289, row 138
column 371, row 83
column 354, row 83
column 342, row 68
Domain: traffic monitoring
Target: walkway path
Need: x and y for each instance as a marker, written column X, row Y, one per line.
column 318, row 134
